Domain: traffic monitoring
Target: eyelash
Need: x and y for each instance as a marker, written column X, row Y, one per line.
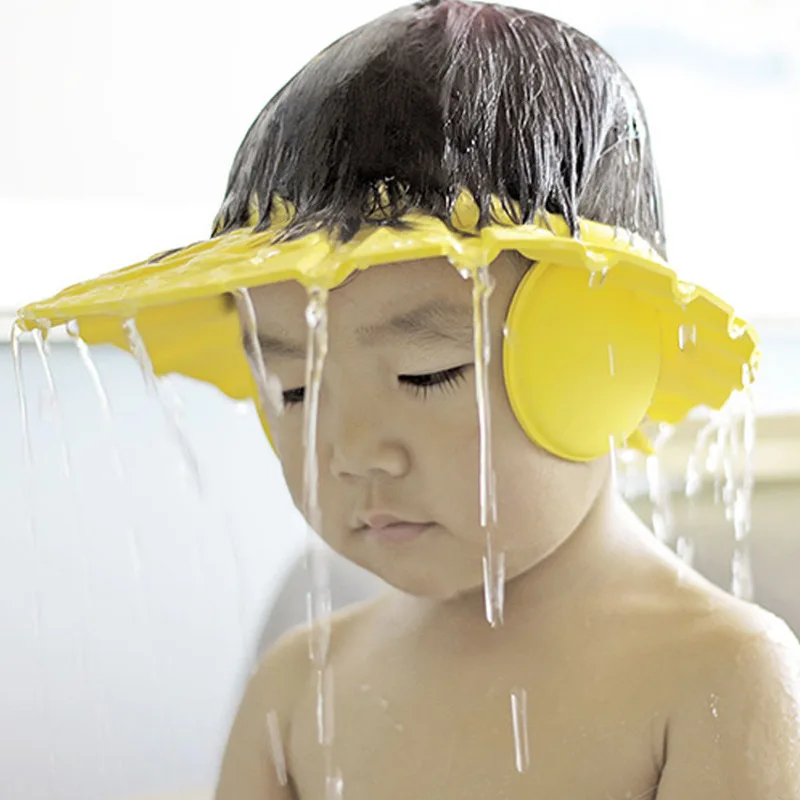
column 418, row 384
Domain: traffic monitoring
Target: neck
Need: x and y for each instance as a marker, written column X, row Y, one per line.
column 574, row 572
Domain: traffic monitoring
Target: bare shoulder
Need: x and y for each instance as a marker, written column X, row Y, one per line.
column 286, row 667
column 734, row 710
column 255, row 764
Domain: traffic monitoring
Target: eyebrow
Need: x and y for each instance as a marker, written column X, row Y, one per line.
column 431, row 323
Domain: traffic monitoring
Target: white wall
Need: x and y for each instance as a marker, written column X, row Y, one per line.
column 126, row 614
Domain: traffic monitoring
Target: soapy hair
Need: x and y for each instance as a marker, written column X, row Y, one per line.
column 442, row 96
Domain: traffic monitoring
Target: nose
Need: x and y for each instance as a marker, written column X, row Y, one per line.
column 362, row 447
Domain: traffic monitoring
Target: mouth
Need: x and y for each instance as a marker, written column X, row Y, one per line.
column 390, row 529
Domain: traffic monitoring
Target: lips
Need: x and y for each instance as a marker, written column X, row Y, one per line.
column 390, row 528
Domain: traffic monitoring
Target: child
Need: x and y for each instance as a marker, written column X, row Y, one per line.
column 638, row 684
column 617, row 672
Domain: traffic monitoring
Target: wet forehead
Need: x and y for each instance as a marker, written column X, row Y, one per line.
column 421, row 299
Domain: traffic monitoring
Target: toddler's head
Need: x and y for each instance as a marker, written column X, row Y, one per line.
column 404, row 114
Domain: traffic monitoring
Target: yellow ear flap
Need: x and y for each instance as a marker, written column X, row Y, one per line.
column 581, row 362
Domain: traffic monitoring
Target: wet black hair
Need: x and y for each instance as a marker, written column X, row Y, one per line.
column 442, row 96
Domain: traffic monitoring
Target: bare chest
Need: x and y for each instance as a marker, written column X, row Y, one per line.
column 411, row 724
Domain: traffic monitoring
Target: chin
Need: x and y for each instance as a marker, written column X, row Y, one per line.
column 427, row 586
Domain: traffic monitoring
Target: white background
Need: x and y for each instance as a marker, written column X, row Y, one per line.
column 119, row 124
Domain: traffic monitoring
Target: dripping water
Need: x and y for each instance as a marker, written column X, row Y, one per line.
column 334, row 785
column 270, row 394
column 269, row 399
column 662, row 516
column 38, row 606
column 16, row 356
column 189, row 461
column 742, row 496
column 276, row 748
column 612, row 455
column 493, row 561
column 16, row 332
column 319, row 603
column 319, row 595
column 724, row 452
column 105, row 406
column 693, row 484
column 597, row 277
column 519, row 722
column 325, row 706
column 687, row 336
column 43, row 350
column 139, row 351
column 108, row 423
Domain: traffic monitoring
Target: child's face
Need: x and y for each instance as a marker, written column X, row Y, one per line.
column 388, row 445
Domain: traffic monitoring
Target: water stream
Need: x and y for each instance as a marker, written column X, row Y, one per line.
column 494, row 577
column 276, row 748
column 519, row 723
column 723, row 457
column 139, row 351
column 270, row 394
column 319, row 595
column 105, row 406
column 52, row 398
column 16, row 356
column 659, row 489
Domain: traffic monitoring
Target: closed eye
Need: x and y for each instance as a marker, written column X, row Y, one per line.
column 422, row 384
column 443, row 379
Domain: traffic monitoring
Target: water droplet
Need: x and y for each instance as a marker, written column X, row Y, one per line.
column 713, row 706
column 660, row 492
column 737, row 329
column 325, row 706
column 519, row 722
column 242, row 408
column 398, row 726
column 319, row 603
column 275, row 741
column 742, row 578
column 611, row 359
column 597, row 277
column 334, row 785
column 693, row 479
column 685, row 550
column 687, row 336
column 494, row 583
column 384, row 703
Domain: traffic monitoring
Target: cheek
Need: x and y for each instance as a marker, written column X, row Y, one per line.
column 286, row 431
column 542, row 498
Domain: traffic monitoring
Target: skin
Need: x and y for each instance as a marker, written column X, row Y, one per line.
column 618, row 647
column 418, row 458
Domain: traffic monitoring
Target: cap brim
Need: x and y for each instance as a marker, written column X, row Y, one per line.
column 188, row 328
